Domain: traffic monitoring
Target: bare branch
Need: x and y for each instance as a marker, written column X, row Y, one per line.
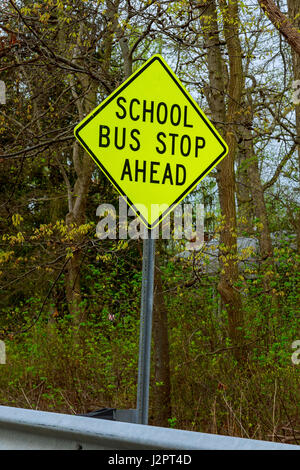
column 282, row 23
column 279, row 168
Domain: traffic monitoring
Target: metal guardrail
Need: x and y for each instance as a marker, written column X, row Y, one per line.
column 22, row 429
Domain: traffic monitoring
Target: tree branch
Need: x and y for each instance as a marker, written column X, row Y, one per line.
column 279, row 168
column 282, row 23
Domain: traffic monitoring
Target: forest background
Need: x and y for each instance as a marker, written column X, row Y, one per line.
column 225, row 319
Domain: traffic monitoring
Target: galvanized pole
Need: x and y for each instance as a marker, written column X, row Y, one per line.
column 145, row 330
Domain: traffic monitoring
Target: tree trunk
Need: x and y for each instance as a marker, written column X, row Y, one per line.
column 294, row 10
column 76, row 216
column 243, row 196
column 270, row 303
column 162, row 385
column 83, row 165
column 256, row 187
column 225, row 170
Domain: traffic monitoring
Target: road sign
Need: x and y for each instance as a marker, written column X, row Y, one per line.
column 152, row 141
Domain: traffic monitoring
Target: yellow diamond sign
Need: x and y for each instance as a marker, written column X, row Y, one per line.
column 152, row 141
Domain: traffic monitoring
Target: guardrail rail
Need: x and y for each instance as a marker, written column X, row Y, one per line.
column 22, row 429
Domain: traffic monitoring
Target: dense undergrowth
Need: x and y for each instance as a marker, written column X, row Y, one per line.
column 57, row 367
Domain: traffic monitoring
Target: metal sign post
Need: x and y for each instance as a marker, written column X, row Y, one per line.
column 145, row 330
column 2, row 92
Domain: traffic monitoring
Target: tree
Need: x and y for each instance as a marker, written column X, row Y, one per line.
column 162, row 381
column 294, row 14
column 225, row 116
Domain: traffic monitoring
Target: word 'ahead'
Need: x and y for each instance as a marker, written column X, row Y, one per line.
column 151, row 140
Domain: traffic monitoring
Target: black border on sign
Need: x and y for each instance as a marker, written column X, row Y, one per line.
column 116, row 93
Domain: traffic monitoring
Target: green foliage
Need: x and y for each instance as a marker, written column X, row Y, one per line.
column 56, row 366
column 211, row 393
